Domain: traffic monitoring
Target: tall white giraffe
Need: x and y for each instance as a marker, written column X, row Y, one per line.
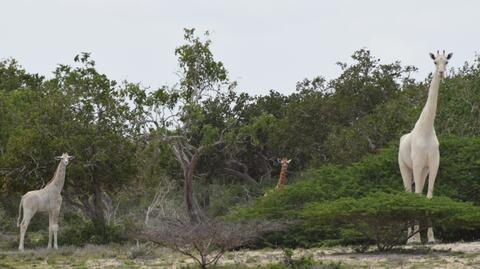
column 48, row 199
column 418, row 155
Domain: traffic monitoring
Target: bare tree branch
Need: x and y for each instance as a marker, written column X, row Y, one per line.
column 206, row 241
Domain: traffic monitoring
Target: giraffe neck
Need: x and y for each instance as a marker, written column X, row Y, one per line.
column 427, row 117
column 58, row 178
column 282, row 178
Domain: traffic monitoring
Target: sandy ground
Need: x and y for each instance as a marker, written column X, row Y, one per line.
column 456, row 255
column 471, row 247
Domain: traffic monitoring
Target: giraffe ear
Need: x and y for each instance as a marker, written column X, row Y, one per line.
column 58, row 157
column 71, row 157
column 449, row 55
column 432, row 56
column 278, row 160
column 289, row 161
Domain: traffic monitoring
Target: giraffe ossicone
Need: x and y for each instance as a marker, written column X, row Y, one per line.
column 47, row 199
column 419, row 154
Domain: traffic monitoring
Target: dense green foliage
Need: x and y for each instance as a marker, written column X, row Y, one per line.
column 219, row 145
column 81, row 112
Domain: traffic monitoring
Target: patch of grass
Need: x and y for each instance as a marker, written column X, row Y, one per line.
column 6, row 266
column 464, row 255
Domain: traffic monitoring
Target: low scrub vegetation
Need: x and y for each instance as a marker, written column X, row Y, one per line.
column 208, row 240
column 384, row 218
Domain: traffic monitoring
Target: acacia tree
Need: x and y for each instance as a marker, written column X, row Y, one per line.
column 179, row 113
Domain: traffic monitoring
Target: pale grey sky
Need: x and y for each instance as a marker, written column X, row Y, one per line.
column 265, row 44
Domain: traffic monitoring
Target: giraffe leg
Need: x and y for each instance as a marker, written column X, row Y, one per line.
column 419, row 175
column 55, row 228
column 27, row 216
column 430, row 235
column 55, row 214
column 433, row 166
column 417, row 237
column 50, row 231
column 407, row 176
column 414, row 239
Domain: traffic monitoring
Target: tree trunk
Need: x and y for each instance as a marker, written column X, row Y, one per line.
column 98, row 218
column 192, row 205
column 97, row 201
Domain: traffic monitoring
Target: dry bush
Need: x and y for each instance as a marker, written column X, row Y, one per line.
column 206, row 242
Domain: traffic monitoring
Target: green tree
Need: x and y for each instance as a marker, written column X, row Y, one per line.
column 82, row 112
column 184, row 128
column 18, row 90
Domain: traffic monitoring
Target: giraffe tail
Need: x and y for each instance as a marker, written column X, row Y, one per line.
column 20, row 212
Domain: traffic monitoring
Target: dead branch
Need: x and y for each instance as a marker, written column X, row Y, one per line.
column 161, row 206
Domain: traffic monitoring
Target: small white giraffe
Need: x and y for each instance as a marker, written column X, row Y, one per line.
column 48, row 200
column 418, row 154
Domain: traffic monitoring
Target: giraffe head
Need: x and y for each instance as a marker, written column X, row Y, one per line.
column 441, row 61
column 65, row 158
column 284, row 161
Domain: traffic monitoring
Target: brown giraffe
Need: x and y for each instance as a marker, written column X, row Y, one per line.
column 283, row 174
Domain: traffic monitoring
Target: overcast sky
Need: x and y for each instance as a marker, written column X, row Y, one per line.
column 264, row 44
